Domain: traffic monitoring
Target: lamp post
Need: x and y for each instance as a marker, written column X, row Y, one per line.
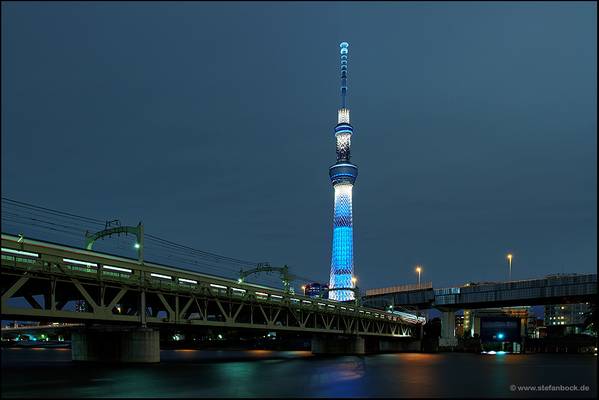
column 304, row 289
column 509, row 262
column 419, row 270
column 356, row 291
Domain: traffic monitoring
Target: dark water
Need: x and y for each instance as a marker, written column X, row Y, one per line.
column 263, row 373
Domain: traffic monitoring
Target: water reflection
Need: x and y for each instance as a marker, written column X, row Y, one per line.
column 338, row 377
column 267, row 373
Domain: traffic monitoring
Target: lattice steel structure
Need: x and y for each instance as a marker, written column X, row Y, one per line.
column 40, row 280
column 343, row 175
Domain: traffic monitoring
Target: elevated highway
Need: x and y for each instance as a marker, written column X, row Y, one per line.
column 552, row 289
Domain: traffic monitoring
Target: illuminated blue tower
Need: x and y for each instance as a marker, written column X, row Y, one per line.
column 343, row 175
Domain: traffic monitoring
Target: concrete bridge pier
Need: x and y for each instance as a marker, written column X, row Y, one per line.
column 135, row 345
column 448, row 338
column 332, row 344
column 398, row 346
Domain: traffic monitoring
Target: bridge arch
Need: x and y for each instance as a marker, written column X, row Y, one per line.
column 138, row 231
column 283, row 271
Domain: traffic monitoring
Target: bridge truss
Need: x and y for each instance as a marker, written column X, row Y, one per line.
column 115, row 290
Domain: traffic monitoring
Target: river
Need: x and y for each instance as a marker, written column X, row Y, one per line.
column 265, row 373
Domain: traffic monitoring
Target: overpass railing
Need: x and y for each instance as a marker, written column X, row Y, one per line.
column 552, row 286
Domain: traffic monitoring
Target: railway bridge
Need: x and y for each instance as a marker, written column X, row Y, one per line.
column 127, row 301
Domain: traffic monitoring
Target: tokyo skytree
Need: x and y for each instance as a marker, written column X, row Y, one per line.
column 343, row 175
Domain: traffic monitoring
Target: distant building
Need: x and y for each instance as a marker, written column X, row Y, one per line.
column 500, row 328
column 459, row 325
column 531, row 326
column 316, row 290
column 468, row 328
column 536, row 328
column 532, row 323
column 569, row 316
column 473, row 318
column 467, row 323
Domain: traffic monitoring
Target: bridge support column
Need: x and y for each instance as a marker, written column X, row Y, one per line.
column 396, row 346
column 139, row 345
column 476, row 326
column 448, row 338
column 331, row 344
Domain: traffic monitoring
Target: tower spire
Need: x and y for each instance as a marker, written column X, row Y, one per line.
column 344, row 53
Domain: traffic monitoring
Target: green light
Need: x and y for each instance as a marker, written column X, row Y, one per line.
column 137, row 245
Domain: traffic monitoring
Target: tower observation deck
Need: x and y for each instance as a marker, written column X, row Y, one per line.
column 343, row 175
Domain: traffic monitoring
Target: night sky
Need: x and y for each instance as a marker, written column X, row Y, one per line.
column 475, row 129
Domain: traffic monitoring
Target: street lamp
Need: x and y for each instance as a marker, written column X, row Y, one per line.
column 509, row 262
column 356, row 291
column 419, row 270
column 304, row 289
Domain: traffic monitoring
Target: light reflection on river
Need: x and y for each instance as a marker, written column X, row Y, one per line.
column 266, row 373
